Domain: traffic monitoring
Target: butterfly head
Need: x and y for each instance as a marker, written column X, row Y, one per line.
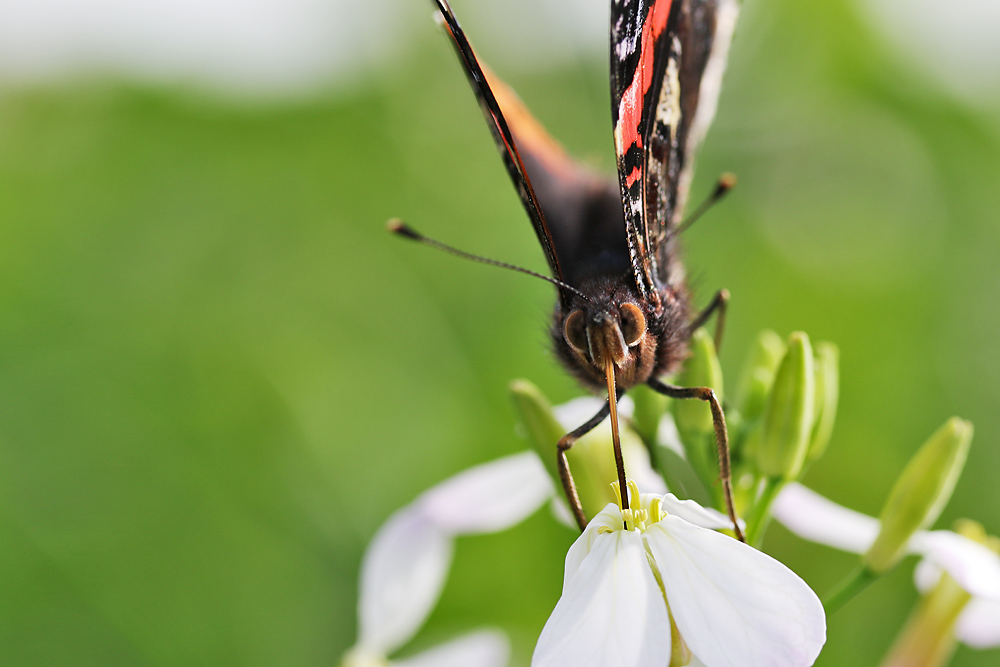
column 597, row 333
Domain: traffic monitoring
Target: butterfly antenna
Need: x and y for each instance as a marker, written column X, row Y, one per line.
column 725, row 183
column 400, row 228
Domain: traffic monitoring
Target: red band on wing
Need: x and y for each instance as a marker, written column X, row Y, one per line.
column 633, row 177
column 630, row 106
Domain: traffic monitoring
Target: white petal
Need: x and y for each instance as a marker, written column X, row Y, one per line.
column 610, row 517
column 979, row 624
column 489, row 497
column 486, row 648
column 402, row 574
column 810, row 515
column 668, row 436
column 926, row 575
column 640, row 469
column 735, row 606
column 813, row 517
column 611, row 614
column 973, row 566
column 561, row 513
column 694, row 513
column 573, row 413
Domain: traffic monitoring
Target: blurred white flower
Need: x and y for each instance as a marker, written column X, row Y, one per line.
column 405, row 566
column 274, row 47
column 972, row 565
column 966, row 53
column 731, row 604
column 978, row 624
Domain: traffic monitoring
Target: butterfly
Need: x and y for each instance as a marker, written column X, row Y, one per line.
column 623, row 316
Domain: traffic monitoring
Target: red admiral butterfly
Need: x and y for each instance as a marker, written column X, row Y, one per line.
column 623, row 316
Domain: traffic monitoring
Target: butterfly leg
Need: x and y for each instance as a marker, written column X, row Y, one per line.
column 721, row 439
column 565, row 444
column 718, row 303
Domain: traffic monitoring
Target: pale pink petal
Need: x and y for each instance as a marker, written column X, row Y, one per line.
column 611, row 614
column 973, row 566
column 733, row 605
column 490, row 497
column 813, row 517
column 402, row 573
column 979, row 624
column 486, row 648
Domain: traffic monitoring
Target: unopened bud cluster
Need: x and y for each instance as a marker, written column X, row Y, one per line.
column 780, row 422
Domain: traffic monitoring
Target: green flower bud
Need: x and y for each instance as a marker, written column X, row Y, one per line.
column 591, row 459
column 702, row 369
column 788, row 415
column 920, row 493
column 758, row 374
column 827, row 391
column 649, row 407
column 694, row 418
column 538, row 424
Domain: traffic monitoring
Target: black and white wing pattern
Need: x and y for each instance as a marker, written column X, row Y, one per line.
column 667, row 60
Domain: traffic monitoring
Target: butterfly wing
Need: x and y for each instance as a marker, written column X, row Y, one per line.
column 582, row 209
column 502, row 135
column 576, row 213
column 667, row 60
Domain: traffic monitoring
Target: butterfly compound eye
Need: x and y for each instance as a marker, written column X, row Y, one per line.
column 633, row 324
column 575, row 331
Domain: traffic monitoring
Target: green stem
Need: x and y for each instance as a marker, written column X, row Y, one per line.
column 760, row 514
column 856, row 582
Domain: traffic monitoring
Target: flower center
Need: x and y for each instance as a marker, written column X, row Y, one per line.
column 361, row 657
column 638, row 516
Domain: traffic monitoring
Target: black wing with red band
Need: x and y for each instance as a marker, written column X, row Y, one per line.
column 667, row 58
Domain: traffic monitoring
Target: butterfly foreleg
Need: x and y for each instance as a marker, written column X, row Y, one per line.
column 562, row 463
column 721, row 438
column 719, row 303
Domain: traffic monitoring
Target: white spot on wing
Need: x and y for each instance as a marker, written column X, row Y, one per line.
column 668, row 108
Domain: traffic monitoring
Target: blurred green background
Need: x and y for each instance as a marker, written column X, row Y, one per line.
column 219, row 374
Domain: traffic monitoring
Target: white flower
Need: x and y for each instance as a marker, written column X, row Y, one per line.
column 973, row 566
column 731, row 604
column 406, row 563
